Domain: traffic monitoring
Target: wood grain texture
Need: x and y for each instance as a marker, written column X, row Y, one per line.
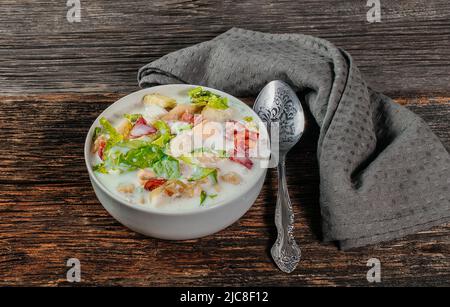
column 406, row 54
column 49, row 213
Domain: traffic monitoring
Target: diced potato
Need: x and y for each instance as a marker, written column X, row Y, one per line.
column 124, row 127
column 216, row 115
column 231, row 177
column 175, row 188
column 159, row 100
column 125, row 188
column 177, row 111
column 192, row 190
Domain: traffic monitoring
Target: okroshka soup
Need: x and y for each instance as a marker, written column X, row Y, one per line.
column 177, row 152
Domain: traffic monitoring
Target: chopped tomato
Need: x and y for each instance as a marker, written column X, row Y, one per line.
column 101, row 147
column 245, row 161
column 252, row 135
column 244, row 140
column 154, row 183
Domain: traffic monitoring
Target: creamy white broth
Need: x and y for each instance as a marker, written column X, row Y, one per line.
column 216, row 192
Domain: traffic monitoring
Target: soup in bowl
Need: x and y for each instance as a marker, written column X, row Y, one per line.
column 177, row 161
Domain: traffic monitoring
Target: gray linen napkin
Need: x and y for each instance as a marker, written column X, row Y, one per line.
column 383, row 173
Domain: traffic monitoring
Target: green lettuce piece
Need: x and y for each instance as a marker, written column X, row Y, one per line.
column 100, row 168
column 203, row 172
column 217, row 102
column 164, row 133
column 146, row 156
column 168, row 167
column 96, row 134
column 133, row 144
column 141, row 157
column 135, row 158
column 162, row 140
column 202, row 97
column 114, row 136
column 183, row 128
column 132, row 117
column 187, row 160
column 217, row 152
column 115, row 161
column 162, row 127
column 196, row 92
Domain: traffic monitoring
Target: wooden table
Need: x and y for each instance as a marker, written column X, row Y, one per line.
column 56, row 76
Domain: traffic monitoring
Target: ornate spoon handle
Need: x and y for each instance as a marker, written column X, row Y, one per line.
column 285, row 251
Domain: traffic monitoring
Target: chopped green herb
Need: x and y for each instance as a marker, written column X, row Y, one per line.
column 248, row 119
column 202, row 97
column 213, row 176
column 96, row 134
column 203, row 196
column 212, row 196
column 100, row 168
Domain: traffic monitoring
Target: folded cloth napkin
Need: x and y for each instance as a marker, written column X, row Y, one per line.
column 383, row 173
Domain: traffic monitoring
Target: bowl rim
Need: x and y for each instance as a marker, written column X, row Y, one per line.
column 103, row 188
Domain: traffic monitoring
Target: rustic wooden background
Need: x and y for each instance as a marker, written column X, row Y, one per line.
column 56, row 76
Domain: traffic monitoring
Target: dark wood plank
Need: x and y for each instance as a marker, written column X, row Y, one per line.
column 406, row 54
column 49, row 213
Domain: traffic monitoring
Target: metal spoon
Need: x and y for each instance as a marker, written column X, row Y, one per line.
column 278, row 105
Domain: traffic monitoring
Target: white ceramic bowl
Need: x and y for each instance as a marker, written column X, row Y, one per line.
column 196, row 223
